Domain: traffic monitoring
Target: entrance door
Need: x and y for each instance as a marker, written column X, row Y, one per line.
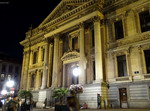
column 123, row 98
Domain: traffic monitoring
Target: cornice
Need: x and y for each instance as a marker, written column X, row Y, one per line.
column 70, row 55
column 111, row 5
column 36, row 38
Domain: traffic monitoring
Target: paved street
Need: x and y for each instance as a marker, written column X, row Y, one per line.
column 100, row 110
column 96, row 109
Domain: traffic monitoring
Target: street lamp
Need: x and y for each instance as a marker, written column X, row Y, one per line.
column 76, row 71
column 10, row 83
column 3, row 92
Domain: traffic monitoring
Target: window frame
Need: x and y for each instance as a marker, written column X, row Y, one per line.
column 123, row 32
column 142, row 11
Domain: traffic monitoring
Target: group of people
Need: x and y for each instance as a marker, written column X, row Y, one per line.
column 10, row 104
column 14, row 104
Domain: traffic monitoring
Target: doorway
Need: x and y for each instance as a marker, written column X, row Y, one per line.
column 123, row 98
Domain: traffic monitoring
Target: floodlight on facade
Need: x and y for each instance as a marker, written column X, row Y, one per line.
column 76, row 71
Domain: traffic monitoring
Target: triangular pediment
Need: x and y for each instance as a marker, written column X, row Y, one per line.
column 62, row 8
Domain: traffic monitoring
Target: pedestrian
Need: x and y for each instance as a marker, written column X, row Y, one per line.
column 12, row 104
column 73, row 103
column 5, row 107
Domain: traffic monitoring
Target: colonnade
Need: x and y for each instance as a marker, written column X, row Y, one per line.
column 42, row 82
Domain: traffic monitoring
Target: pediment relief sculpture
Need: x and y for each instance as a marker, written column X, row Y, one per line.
column 62, row 8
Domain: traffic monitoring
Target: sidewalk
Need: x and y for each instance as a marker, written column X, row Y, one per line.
column 50, row 109
column 115, row 110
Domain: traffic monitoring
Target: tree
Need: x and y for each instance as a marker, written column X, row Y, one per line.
column 24, row 94
column 60, row 93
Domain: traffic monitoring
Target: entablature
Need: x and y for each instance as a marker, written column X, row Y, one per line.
column 137, row 39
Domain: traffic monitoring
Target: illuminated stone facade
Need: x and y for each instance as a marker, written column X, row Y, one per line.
column 110, row 42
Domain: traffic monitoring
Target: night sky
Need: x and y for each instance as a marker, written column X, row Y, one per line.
column 16, row 16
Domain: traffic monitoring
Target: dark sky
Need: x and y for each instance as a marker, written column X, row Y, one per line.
column 16, row 16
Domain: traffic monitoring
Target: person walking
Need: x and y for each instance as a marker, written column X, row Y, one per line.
column 12, row 104
column 5, row 107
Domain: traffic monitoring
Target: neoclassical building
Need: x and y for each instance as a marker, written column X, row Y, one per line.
column 109, row 40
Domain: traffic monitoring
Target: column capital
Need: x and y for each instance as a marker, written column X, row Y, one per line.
column 56, row 35
column 81, row 25
column 96, row 19
column 46, row 40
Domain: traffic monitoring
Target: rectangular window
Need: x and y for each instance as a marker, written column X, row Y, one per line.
column 145, row 21
column 94, row 76
column 9, row 77
column 3, row 68
column 118, row 30
column 10, row 69
column 75, row 43
column 2, row 77
column 147, row 60
column 122, row 67
column 34, row 57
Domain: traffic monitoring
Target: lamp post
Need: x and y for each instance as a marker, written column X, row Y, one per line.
column 10, row 84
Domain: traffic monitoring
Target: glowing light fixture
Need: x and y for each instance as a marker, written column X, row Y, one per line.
column 3, row 92
column 10, row 83
column 76, row 71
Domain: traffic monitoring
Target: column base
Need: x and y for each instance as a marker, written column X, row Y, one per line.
column 97, row 81
column 43, row 87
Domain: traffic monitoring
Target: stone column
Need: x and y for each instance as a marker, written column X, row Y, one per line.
column 37, row 80
column 25, row 77
column 45, row 69
column 23, row 70
column 50, row 65
column 40, row 55
column 29, row 81
column 31, row 58
column 64, row 75
column 82, row 63
column 98, row 50
column 55, row 62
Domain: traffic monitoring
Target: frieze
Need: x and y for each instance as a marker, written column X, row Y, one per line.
column 70, row 55
column 130, row 40
column 111, row 5
column 122, row 79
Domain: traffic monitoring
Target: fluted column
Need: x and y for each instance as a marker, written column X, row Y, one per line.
column 55, row 62
column 98, row 50
column 82, row 63
column 25, row 77
column 45, row 69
